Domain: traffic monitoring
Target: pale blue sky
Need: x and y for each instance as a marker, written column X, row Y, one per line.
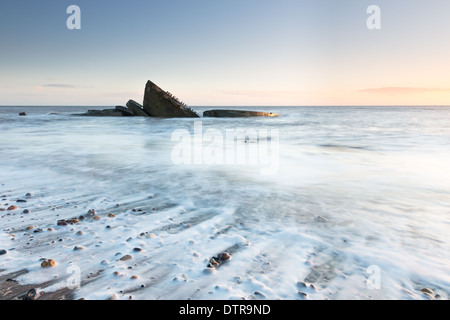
column 246, row 52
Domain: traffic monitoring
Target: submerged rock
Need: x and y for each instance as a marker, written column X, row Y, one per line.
column 103, row 113
column 237, row 114
column 136, row 109
column 160, row 103
column 125, row 111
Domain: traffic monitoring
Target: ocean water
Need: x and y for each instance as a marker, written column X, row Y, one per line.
column 353, row 200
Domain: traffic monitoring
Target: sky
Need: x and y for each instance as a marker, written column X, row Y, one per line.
column 226, row 53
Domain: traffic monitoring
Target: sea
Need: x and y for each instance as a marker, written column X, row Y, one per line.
column 318, row 203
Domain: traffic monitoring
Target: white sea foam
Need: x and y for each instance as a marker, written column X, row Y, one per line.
column 358, row 207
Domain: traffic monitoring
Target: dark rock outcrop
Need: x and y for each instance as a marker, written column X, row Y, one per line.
column 160, row 103
column 136, row 109
column 125, row 111
column 237, row 114
column 104, row 113
column 157, row 103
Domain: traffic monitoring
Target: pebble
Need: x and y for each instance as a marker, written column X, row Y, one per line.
column 111, row 215
column 224, row 256
column 31, row 295
column 427, row 291
column 3, row 252
column 134, row 277
column 21, row 201
column 28, row 195
column 126, row 257
column 97, row 218
column 11, row 208
column 72, row 221
column 78, row 248
column 26, row 211
column 48, row 263
column 79, row 233
column 260, row 294
column 213, row 263
column 29, row 228
column 303, row 295
column 137, row 249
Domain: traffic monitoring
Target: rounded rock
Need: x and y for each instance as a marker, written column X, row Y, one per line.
column 224, row 256
column 31, row 295
column 427, row 291
column 126, row 257
column 11, row 208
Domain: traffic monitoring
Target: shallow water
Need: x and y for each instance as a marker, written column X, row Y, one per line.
column 355, row 200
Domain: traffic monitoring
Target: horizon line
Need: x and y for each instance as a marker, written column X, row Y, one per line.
column 243, row 106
